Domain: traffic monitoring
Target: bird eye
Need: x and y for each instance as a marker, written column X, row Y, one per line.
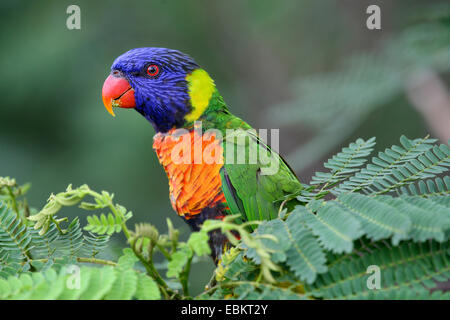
column 152, row 70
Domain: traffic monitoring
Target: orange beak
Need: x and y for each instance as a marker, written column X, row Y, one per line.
column 117, row 92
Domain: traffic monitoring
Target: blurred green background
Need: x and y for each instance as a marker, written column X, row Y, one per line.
column 310, row 68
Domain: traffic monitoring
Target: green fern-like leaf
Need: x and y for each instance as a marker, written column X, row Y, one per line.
column 4, row 257
column 236, row 269
column 335, row 228
column 45, row 245
column 72, row 240
column 76, row 286
column 277, row 248
column 105, row 224
column 426, row 166
column 101, row 281
column 305, row 256
column 430, row 220
column 94, row 244
column 396, row 167
column 10, row 266
column 86, row 283
column 378, row 219
column 48, row 285
column 344, row 164
column 409, row 266
column 147, row 288
column 15, row 237
column 124, row 286
column 428, row 188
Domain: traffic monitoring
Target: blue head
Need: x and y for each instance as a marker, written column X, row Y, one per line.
column 154, row 81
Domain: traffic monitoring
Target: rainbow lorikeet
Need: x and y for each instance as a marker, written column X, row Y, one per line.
column 175, row 94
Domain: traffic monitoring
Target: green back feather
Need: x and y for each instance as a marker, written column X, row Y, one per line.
column 247, row 189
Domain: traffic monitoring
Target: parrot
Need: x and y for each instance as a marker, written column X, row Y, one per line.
column 191, row 119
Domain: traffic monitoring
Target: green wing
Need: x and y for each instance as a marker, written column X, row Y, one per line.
column 253, row 186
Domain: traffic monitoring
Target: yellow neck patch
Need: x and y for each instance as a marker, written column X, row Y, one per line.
column 200, row 89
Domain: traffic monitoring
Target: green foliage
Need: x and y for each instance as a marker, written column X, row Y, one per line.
column 398, row 166
column 323, row 248
column 252, row 242
column 146, row 288
column 352, row 218
column 109, row 224
column 72, row 239
column 429, row 219
column 378, row 220
column 87, row 283
column 39, row 253
column 407, row 267
column 179, row 260
column 14, row 235
column 304, row 257
column 93, row 244
column 345, row 163
column 45, row 245
column 104, row 224
column 198, row 241
column 429, row 188
column 335, row 228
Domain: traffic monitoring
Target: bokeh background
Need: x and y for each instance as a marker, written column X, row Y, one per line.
column 310, row 68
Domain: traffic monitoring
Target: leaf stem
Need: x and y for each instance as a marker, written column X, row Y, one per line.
column 184, row 277
column 97, row 261
column 83, row 260
column 151, row 270
column 164, row 252
column 57, row 225
column 13, row 201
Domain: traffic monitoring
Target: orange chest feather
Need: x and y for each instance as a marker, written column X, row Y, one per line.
column 192, row 163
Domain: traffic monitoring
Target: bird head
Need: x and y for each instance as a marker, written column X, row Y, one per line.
column 166, row 86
